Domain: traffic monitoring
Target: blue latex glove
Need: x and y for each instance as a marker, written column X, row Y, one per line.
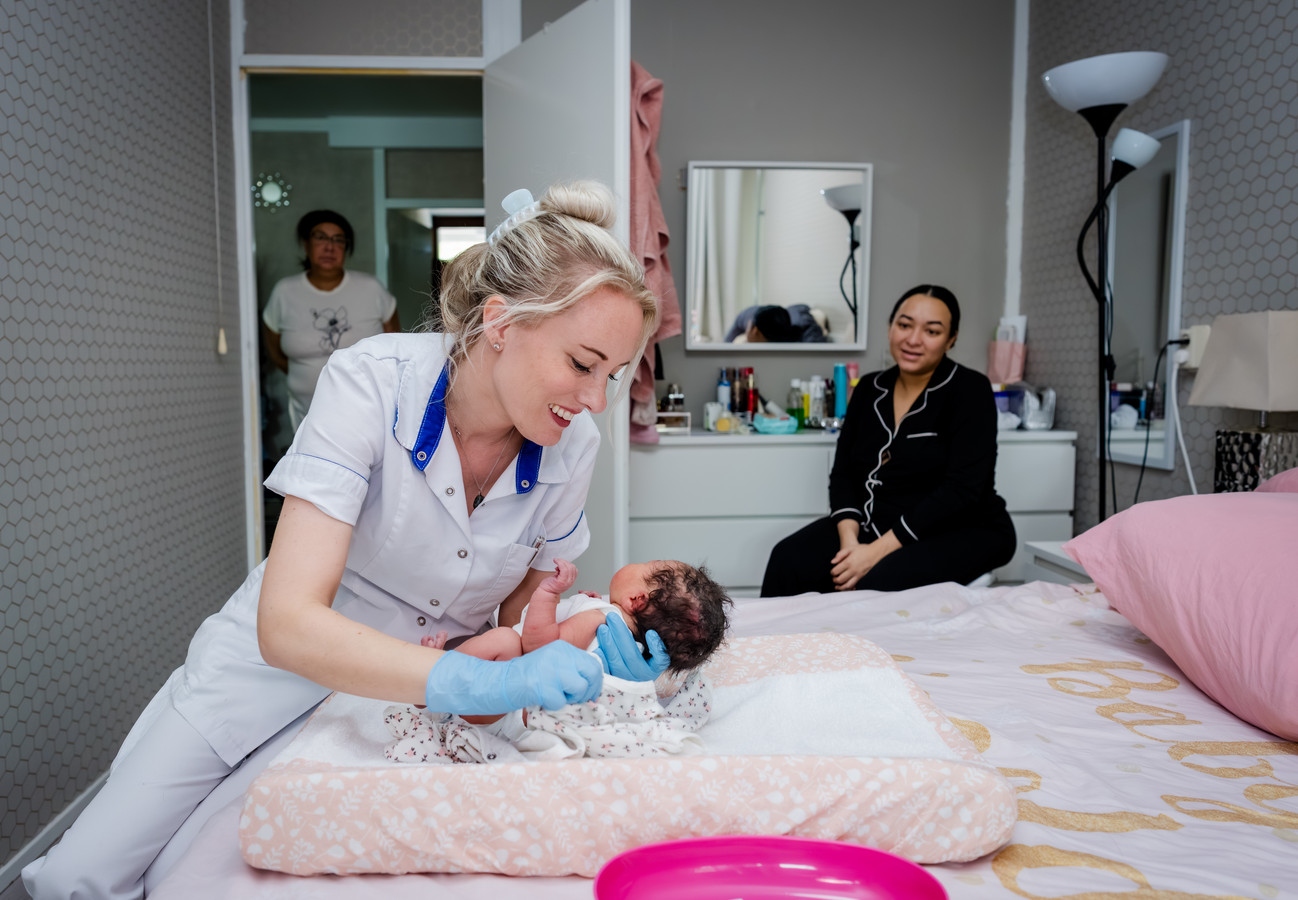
column 551, row 676
column 622, row 658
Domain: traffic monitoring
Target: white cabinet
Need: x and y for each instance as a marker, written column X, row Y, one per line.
column 725, row 500
column 1035, row 472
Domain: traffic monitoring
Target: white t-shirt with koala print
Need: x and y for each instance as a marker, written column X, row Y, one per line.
column 312, row 324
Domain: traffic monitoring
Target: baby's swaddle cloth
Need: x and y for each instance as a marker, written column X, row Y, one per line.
column 627, row 720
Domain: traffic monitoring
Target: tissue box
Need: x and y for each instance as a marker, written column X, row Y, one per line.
column 673, row 423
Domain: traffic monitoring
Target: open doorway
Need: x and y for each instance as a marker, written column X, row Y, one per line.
column 398, row 156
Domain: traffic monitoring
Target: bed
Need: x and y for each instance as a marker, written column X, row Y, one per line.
column 1129, row 780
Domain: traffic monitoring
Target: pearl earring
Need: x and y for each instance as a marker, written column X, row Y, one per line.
column 496, row 346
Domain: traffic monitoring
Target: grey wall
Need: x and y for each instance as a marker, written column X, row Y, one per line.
column 920, row 89
column 121, row 464
column 1232, row 73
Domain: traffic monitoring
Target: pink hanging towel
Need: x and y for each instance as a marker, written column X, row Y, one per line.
column 649, row 243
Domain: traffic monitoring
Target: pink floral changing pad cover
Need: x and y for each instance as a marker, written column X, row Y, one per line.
column 815, row 735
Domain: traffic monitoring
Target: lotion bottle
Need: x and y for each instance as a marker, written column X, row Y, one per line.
column 723, row 391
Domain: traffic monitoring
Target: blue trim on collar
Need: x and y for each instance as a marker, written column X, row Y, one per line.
column 434, row 423
column 528, row 468
column 430, row 429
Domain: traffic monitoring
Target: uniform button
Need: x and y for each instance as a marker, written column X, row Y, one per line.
column 462, row 553
column 525, row 483
column 450, row 492
column 422, row 621
column 421, row 456
column 434, row 602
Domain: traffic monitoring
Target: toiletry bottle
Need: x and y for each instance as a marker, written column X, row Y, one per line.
column 733, row 375
column 723, row 391
column 740, row 409
column 754, row 404
column 829, row 400
column 794, row 405
column 840, row 391
column 817, row 403
column 806, row 402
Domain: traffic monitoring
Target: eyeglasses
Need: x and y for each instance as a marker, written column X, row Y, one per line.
column 319, row 237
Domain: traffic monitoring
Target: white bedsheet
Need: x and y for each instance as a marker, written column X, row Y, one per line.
column 1131, row 782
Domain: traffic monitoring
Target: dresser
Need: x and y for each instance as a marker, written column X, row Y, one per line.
column 725, row 500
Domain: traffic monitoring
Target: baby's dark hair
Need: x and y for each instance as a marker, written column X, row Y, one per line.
column 688, row 610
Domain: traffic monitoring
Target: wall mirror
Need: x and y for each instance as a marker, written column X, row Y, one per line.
column 788, row 235
column 1146, row 260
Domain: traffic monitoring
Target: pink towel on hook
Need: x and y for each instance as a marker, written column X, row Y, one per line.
column 649, row 243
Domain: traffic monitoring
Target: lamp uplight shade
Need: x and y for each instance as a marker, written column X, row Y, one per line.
column 843, row 198
column 1107, row 80
column 1250, row 362
column 1135, row 148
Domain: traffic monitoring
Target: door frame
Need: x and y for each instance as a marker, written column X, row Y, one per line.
column 501, row 29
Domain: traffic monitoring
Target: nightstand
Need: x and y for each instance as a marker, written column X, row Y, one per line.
column 1047, row 561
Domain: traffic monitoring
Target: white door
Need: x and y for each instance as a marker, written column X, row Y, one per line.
column 558, row 108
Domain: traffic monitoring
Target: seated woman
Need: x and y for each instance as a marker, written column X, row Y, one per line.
column 911, row 491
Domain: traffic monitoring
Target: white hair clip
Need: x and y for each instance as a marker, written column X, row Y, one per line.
column 521, row 207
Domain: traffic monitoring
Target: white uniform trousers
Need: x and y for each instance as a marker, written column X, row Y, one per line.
column 162, row 787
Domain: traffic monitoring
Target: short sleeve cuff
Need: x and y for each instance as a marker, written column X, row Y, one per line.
column 567, row 546
column 336, row 490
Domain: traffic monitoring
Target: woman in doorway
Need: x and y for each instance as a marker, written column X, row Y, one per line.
column 311, row 315
column 436, row 478
column 911, row 493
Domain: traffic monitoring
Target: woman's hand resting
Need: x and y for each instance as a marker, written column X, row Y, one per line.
column 854, row 560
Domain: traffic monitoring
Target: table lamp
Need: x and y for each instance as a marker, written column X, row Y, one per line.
column 1251, row 362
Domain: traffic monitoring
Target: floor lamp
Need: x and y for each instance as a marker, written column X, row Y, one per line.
column 1099, row 88
column 847, row 199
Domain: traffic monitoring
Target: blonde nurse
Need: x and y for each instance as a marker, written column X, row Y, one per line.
column 435, row 477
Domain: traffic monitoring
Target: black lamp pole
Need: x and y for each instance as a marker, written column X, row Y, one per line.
column 1100, row 119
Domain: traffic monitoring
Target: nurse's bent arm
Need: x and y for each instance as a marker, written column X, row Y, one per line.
column 298, row 630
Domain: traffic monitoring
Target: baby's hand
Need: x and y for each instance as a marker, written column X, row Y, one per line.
column 594, row 594
column 436, row 641
column 565, row 575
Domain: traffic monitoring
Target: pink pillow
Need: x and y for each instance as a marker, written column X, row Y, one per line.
column 1212, row 580
column 1286, row 481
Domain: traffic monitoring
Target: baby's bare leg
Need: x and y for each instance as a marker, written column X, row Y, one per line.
column 498, row 643
column 540, row 627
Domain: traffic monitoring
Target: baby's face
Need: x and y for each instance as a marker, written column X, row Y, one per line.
column 632, row 582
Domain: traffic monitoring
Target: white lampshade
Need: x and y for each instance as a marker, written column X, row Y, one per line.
column 1250, row 362
column 1107, row 80
column 1135, row 148
column 844, row 197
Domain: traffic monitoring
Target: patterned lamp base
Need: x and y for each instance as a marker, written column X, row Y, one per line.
column 1247, row 458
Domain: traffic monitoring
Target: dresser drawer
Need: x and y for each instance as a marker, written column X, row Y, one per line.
column 738, row 480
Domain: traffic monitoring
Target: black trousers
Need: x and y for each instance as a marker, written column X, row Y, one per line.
column 801, row 562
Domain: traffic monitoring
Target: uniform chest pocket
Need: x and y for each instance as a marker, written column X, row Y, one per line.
column 508, row 572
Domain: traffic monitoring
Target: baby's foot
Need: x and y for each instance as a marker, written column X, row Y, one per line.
column 436, row 641
column 565, row 575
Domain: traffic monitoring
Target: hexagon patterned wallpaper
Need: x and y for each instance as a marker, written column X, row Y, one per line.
column 1234, row 73
column 373, row 28
column 121, row 458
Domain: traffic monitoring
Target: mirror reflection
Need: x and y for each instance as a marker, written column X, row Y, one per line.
column 777, row 255
column 1147, row 240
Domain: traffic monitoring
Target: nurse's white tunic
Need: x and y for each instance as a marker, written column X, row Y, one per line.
column 374, row 452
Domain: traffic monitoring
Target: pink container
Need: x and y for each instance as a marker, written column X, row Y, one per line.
column 757, row 867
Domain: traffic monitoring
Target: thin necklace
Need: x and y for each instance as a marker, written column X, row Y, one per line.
column 477, row 500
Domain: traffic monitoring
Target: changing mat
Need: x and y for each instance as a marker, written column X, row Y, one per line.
column 818, row 735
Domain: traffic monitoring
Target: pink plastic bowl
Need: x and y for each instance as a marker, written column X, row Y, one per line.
column 762, row 868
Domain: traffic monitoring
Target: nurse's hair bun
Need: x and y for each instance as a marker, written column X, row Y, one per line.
column 544, row 259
